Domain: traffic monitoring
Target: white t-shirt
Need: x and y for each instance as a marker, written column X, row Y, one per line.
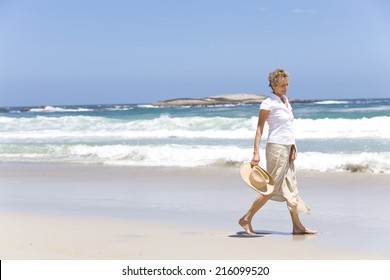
column 280, row 121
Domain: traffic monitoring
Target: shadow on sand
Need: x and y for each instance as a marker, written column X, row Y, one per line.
column 259, row 233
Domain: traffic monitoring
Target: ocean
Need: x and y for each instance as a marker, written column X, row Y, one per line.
column 331, row 135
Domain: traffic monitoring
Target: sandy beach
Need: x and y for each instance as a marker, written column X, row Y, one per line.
column 58, row 211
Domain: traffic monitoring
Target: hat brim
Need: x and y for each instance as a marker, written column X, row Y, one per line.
column 245, row 171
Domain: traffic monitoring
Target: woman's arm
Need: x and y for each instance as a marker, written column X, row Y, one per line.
column 263, row 115
column 293, row 153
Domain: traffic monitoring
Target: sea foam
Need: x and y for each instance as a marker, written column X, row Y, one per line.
column 85, row 127
column 188, row 156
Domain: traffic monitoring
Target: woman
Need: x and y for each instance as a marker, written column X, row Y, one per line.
column 280, row 154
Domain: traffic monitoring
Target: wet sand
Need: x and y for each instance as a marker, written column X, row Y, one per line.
column 62, row 211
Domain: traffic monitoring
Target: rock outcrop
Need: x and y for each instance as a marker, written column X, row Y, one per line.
column 227, row 99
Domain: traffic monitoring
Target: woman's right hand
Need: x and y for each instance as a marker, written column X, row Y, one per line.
column 255, row 160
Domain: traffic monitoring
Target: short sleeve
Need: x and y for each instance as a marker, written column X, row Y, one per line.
column 266, row 104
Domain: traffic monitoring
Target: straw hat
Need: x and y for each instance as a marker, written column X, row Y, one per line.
column 257, row 178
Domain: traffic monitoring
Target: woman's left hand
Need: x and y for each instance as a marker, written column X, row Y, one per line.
column 293, row 154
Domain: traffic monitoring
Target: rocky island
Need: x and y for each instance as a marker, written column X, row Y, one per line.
column 227, row 99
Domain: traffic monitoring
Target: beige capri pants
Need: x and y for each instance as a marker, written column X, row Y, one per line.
column 283, row 173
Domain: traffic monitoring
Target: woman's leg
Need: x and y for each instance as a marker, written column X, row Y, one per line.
column 298, row 228
column 246, row 220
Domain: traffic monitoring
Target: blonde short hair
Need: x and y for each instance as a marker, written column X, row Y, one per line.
column 275, row 76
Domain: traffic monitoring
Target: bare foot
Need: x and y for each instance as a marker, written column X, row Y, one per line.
column 304, row 231
column 247, row 226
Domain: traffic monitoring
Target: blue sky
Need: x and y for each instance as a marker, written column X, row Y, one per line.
column 59, row 52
